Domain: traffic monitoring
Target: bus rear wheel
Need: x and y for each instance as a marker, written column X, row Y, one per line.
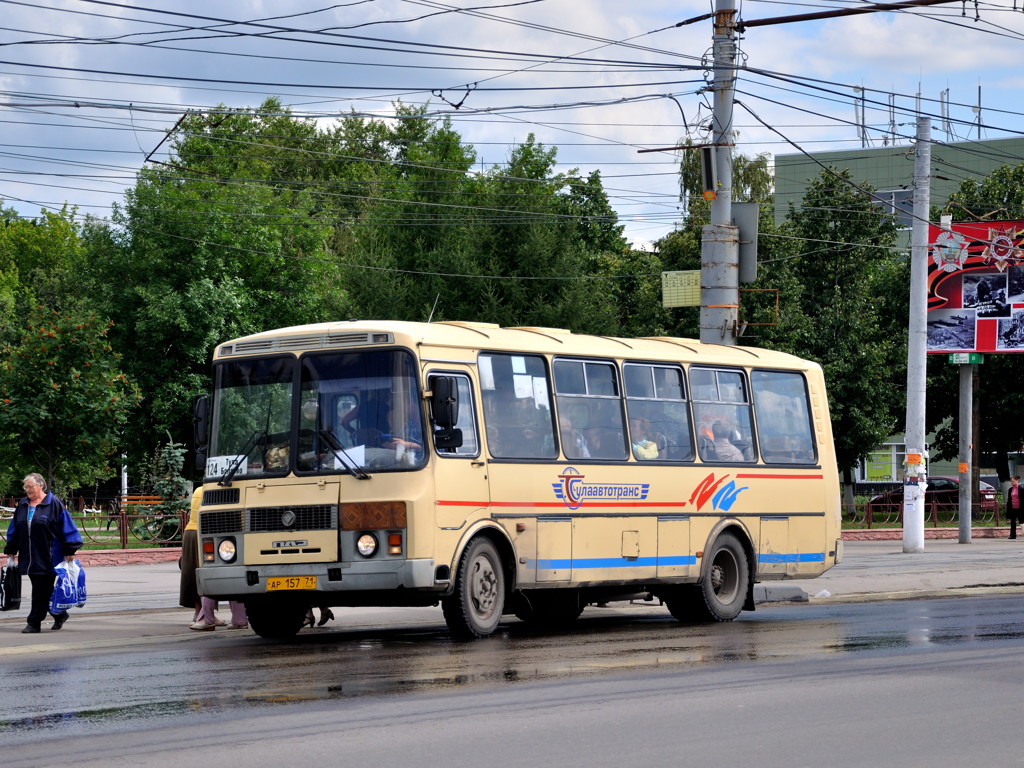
column 474, row 609
column 275, row 619
column 722, row 590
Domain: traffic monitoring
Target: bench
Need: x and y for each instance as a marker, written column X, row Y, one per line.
column 129, row 504
column 135, row 500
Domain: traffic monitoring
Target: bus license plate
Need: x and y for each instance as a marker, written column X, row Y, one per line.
column 275, row 583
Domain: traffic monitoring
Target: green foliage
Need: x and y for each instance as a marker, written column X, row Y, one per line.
column 167, row 480
column 226, row 242
column 40, row 261
column 997, row 197
column 64, row 401
column 836, row 314
column 509, row 245
column 260, row 220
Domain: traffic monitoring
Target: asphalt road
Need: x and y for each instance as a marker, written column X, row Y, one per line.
column 907, row 682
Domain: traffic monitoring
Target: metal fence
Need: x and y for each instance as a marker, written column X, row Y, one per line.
column 110, row 526
column 936, row 515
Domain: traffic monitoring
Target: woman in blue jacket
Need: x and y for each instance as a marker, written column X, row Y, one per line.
column 41, row 534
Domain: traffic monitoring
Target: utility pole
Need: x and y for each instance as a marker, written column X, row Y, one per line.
column 719, row 269
column 915, row 475
column 720, row 303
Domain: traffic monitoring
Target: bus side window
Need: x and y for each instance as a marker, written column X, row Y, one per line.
column 517, row 406
column 658, row 412
column 721, row 411
column 782, row 407
column 590, row 409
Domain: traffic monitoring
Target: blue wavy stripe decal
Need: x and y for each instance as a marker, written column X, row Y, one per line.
column 806, row 557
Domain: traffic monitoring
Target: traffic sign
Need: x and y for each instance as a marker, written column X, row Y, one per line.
column 966, row 358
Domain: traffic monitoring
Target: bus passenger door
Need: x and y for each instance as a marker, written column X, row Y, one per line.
column 460, row 472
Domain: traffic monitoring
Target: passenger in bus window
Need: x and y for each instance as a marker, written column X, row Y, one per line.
column 644, row 448
column 724, row 449
column 401, row 433
column 389, row 439
column 574, row 444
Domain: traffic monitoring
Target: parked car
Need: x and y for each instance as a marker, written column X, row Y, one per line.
column 941, row 492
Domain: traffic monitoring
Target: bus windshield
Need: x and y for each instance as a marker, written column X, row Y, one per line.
column 359, row 410
column 252, row 416
column 354, row 410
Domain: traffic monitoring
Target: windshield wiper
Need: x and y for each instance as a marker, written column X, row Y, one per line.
column 346, row 461
column 249, row 445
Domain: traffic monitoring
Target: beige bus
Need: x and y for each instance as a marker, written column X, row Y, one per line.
column 508, row 471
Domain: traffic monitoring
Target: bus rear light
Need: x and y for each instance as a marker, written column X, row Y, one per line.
column 373, row 515
column 394, row 543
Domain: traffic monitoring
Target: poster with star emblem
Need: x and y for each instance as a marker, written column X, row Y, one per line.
column 976, row 287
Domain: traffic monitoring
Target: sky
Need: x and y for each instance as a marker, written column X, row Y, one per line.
column 89, row 88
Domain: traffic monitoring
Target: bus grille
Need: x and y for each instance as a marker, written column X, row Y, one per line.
column 221, row 521
column 220, row 496
column 318, row 517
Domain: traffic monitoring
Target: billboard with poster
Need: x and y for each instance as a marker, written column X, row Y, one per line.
column 976, row 287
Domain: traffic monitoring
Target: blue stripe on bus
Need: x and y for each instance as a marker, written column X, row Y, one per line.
column 615, row 562
column 647, row 562
column 804, row 557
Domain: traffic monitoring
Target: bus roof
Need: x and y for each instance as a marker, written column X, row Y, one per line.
column 456, row 335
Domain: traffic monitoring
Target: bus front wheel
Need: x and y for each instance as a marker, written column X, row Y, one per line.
column 475, row 607
column 722, row 590
column 275, row 619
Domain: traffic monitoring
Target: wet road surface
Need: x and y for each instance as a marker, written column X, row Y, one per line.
column 234, row 670
column 228, row 679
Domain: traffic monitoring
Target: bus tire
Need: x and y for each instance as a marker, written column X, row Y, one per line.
column 722, row 590
column 475, row 607
column 275, row 619
column 549, row 608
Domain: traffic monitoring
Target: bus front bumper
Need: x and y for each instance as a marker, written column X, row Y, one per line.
column 239, row 581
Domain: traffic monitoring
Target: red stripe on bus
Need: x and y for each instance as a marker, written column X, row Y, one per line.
column 780, row 477
column 555, row 504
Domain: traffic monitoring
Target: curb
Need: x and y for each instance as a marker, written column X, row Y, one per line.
column 775, row 594
column 895, row 534
column 100, row 557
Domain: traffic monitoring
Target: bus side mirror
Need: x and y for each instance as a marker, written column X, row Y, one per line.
column 200, row 429
column 444, row 401
column 444, row 407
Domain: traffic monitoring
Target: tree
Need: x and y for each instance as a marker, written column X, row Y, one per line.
column 223, row 241
column 64, row 402
column 260, row 220
column 40, row 263
column 168, row 482
column 840, row 318
column 511, row 245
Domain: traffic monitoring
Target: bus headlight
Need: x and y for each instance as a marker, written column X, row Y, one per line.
column 366, row 545
column 226, row 550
